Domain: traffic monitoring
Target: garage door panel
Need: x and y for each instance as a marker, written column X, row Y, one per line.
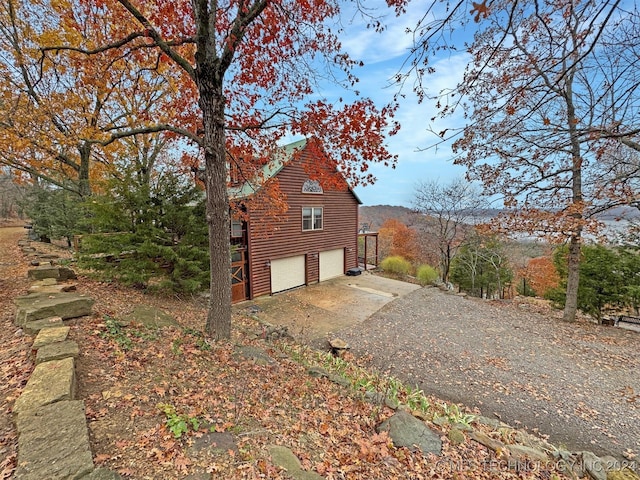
column 331, row 264
column 287, row 273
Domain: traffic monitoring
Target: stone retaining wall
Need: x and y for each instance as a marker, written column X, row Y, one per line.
column 53, row 438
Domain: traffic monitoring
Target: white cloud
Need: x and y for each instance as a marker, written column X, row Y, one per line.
column 419, row 159
column 372, row 47
column 383, row 55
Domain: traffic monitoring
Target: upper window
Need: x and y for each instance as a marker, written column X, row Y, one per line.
column 311, row 218
column 236, row 228
column 234, row 173
column 311, row 186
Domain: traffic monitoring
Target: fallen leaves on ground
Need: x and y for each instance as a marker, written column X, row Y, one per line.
column 152, row 399
column 16, row 363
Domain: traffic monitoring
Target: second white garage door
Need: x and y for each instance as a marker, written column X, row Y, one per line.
column 287, row 273
column 331, row 264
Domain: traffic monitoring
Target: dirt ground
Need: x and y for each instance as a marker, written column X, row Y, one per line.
column 16, row 363
column 168, row 403
column 515, row 360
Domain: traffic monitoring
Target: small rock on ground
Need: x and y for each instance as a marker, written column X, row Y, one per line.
column 150, row 317
column 405, row 430
column 284, row 458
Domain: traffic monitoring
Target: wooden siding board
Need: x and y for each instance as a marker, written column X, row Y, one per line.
column 340, row 222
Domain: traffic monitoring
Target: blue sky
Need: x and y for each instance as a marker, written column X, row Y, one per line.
column 383, row 55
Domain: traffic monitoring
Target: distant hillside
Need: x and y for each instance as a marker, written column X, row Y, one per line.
column 374, row 216
column 628, row 213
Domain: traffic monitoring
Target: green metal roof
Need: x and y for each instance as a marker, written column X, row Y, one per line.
column 270, row 170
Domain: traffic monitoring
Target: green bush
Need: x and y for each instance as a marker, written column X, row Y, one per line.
column 151, row 236
column 56, row 213
column 396, row 264
column 608, row 279
column 427, row 275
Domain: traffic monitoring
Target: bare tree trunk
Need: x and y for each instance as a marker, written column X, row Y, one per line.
column 84, row 185
column 573, row 259
column 212, row 103
column 573, row 279
column 446, row 263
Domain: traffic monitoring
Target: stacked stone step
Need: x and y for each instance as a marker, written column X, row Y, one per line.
column 53, row 439
column 40, row 310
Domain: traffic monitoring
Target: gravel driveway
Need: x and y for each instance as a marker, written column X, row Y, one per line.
column 578, row 383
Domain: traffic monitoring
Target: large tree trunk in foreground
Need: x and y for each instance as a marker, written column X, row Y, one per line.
column 212, row 103
column 573, row 279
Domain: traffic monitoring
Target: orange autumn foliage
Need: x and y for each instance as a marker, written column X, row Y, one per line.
column 64, row 119
column 397, row 239
column 541, row 275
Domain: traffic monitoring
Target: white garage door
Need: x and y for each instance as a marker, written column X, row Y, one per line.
column 331, row 264
column 287, row 273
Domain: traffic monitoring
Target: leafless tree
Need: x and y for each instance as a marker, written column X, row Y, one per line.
column 453, row 207
column 10, row 195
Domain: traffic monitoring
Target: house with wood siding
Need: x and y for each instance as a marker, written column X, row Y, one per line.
column 315, row 240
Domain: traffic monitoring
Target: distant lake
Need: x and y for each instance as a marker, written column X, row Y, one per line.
column 612, row 229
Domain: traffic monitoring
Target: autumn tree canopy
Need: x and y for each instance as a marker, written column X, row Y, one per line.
column 542, row 108
column 398, row 239
column 251, row 71
column 551, row 109
column 61, row 115
column 541, row 274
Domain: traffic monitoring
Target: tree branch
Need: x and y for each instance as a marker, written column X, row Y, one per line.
column 152, row 33
column 149, row 129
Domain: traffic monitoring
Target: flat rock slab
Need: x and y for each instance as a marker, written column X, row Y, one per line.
column 49, row 383
column 213, row 443
column 255, row 354
column 405, row 430
column 35, row 306
column 53, row 443
column 55, row 288
column 50, row 271
column 285, row 458
column 150, row 317
column 47, row 256
column 57, row 351
column 45, row 282
column 35, row 326
column 50, row 335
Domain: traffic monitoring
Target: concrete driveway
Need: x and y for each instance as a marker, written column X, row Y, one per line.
column 312, row 312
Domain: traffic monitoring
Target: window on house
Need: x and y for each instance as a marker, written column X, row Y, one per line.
column 234, row 172
column 312, row 186
column 311, row 218
column 236, row 228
